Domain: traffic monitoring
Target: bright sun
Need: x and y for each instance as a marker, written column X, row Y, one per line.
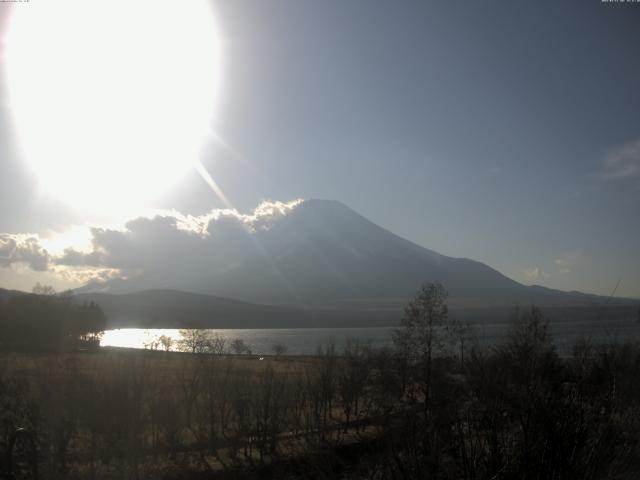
column 111, row 100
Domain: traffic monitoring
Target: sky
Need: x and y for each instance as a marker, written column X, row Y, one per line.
column 503, row 131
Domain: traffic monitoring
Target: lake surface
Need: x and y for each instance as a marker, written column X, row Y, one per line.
column 297, row 341
column 305, row 341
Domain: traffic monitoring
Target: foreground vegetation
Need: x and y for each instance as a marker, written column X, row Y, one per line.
column 434, row 406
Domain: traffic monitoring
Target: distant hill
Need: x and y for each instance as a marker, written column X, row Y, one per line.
column 324, row 255
column 175, row 309
column 5, row 294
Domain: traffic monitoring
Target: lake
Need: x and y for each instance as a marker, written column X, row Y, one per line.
column 305, row 341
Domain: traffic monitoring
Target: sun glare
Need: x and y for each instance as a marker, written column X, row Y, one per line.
column 111, row 100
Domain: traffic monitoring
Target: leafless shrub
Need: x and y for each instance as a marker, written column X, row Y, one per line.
column 279, row 349
column 239, row 347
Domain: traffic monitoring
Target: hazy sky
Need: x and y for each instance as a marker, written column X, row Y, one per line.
column 503, row 131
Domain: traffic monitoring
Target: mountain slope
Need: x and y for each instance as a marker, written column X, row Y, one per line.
column 323, row 254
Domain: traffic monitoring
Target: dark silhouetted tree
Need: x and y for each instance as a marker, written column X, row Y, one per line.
column 425, row 331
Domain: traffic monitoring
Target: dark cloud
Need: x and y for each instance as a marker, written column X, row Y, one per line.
column 175, row 246
column 25, row 249
column 72, row 257
column 166, row 246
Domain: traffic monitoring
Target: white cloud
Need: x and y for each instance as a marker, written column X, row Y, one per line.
column 563, row 265
column 623, row 161
column 84, row 275
column 535, row 273
column 74, row 236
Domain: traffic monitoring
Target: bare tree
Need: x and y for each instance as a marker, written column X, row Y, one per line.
column 239, row 347
column 40, row 289
column 279, row 349
column 352, row 378
column 194, row 341
column 425, row 330
column 217, row 344
column 166, row 342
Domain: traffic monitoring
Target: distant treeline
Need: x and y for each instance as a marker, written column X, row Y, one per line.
column 46, row 322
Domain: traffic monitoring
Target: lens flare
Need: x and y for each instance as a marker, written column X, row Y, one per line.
column 112, row 100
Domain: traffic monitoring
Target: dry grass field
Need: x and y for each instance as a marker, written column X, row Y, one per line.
column 515, row 410
column 119, row 412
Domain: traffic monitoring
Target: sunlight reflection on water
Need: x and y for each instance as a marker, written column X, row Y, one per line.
column 297, row 341
column 305, row 341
